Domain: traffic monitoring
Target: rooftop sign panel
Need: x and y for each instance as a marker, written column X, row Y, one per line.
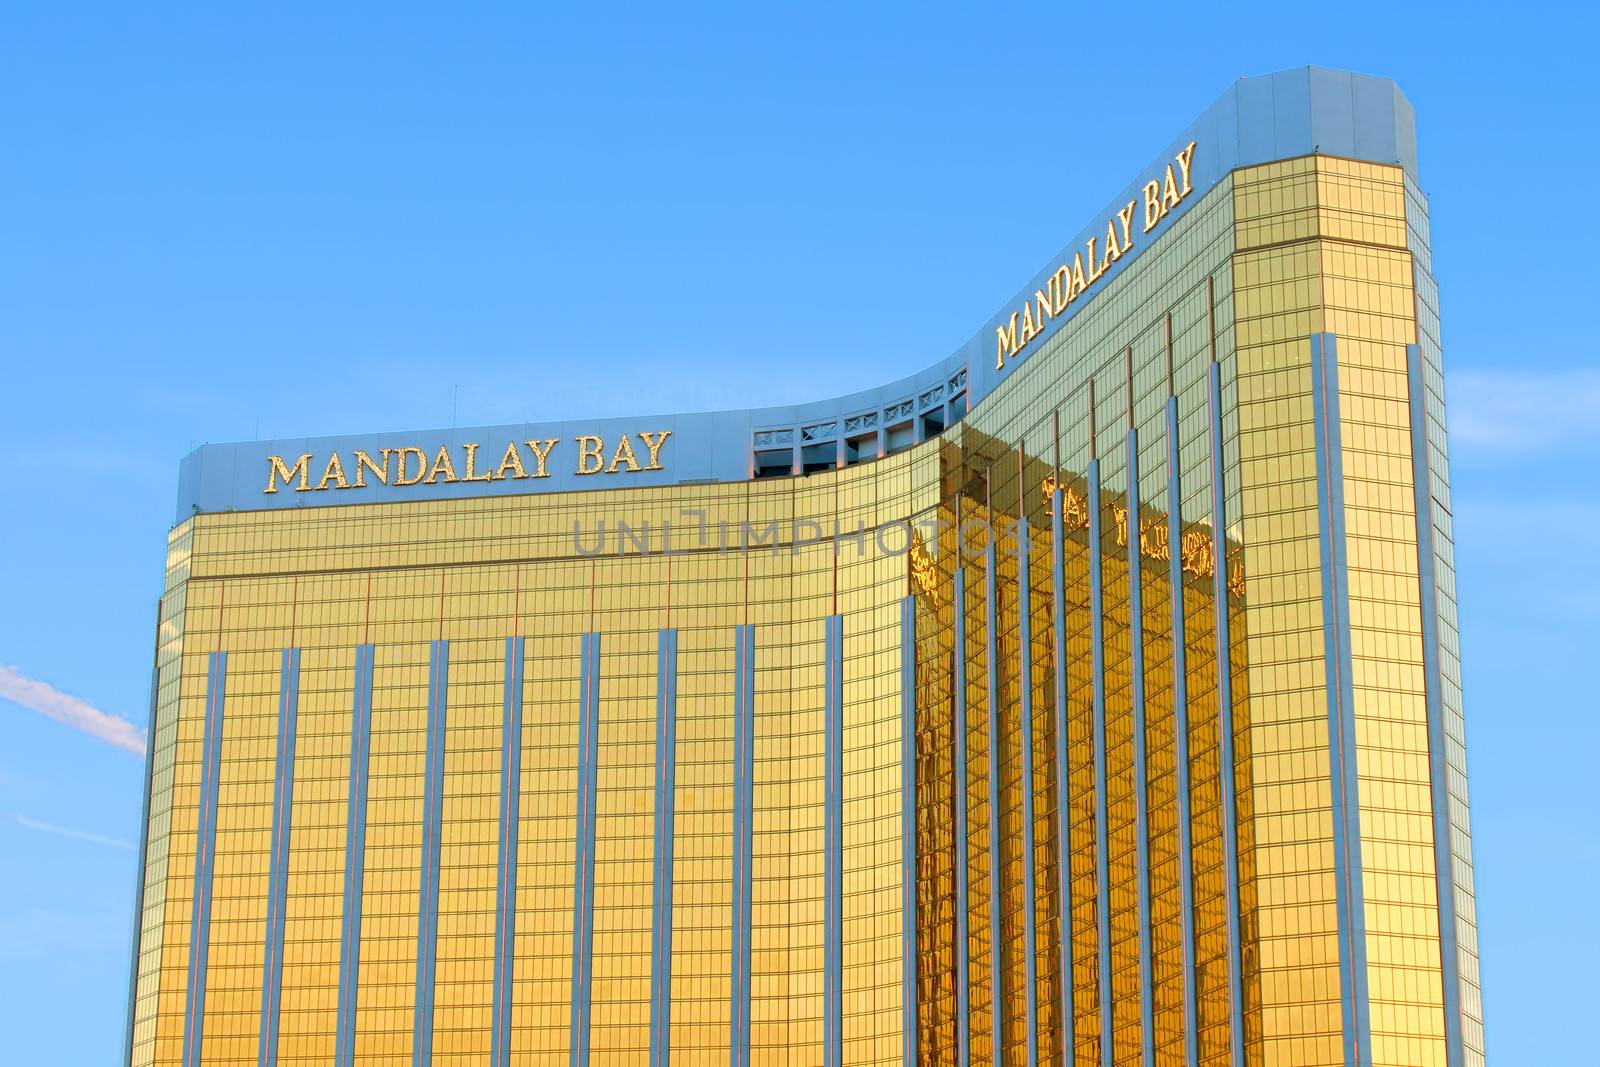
column 1276, row 116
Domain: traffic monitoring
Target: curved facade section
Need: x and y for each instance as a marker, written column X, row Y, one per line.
column 1099, row 720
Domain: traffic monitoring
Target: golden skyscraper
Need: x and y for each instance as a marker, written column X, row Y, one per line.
column 1088, row 698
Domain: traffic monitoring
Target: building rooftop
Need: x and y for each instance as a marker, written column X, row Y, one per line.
column 1274, row 116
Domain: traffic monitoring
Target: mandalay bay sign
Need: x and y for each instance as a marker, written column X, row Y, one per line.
column 587, row 454
column 1072, row 279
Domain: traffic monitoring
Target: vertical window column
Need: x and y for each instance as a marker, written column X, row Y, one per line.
column 583, row 863
column 505, row 910
column 1102, row 849
column 958, row 716
column 1141, row 785
column 908, row 825
column 1225, row 776
column 1029, row 889
column 1058, row 585
column 432, row 813
column 996, row 941
column 1438, row 769
column 1180, row 720
column 833, row 843
column 278, row 885
column 204, row 858
column 744, row 687
column 355, row 851
column 666, row 796
column 1340, row 686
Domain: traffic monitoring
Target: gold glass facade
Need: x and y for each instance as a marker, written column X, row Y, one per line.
column 1175, row 794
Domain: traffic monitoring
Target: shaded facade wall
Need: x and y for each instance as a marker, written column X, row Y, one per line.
column 1072, row 779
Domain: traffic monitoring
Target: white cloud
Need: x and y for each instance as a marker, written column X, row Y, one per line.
column 64, row 708
column 76, row 835
column 1516, row 411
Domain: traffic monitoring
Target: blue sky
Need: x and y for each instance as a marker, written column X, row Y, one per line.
column 225, row 222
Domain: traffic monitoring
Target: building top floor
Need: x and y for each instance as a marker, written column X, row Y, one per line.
column 1275, row 116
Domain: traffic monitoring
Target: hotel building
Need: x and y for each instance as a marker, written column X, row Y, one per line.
column 1090, row 697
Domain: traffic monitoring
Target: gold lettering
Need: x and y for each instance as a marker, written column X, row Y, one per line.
column 1074, row 511
column 1045, row 304
column 442, row 465
column 1185, row 158
column 512, row 461
column 364, row 463
column 1125, row 216
column 623, row 454
column 923, row 570
column 422, row 466
column 1152, row 205
column 541, row 454
column 1119, row 516
column 1159, row 196
column 590, row 447
column 334, row 471
column 1005, row 341
column 278, row 470
column 653, row 440
column 472, row 474
column 1153, row 540
column 1196, row 554
column 1169, row 192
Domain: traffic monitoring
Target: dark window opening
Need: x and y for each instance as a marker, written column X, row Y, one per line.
column 860, row 449
column 775, row 463
column 823, row 457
